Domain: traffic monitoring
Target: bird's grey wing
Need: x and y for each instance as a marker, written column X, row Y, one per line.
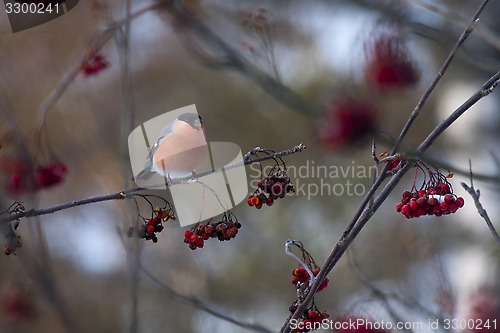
column 165, row 131
column 147, row 172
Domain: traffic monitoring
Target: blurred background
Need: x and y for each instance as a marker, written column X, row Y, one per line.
column 355, row 70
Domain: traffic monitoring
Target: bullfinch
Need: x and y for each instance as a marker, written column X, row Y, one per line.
column 180, row 148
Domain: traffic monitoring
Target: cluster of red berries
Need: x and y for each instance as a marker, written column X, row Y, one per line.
column 388, row 63
column 223, row 230
column 300, row 276
column 271, row 188
column 153, row 225
column 347, row 122
column 93, row 63
column 307, row 321
column 19, row 177
column 50, row 175
column 18, row 305
column 435, row 200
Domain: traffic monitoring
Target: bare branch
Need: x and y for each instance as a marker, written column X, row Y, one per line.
column 220, row 54
column 96, row 44
column 198, row 304
column 439, row 75
column 377, row 292
column 480, row 209
column 363, row 214
column 129, row 193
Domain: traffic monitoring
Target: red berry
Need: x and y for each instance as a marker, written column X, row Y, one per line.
column 449, row 198
column 421, row 212
column 445, row 188
column 452, row 208
column 405, row 209
column 250, row 201
column 278, row 189
column 93, row 64
column 444, row 206
column 199, row 242
column 421, row 193
column 187, row 234
column 232, row 232
column 150, row 229
column 398, row 207
column 393, row 165
column 323, row 284
column 312, row 314
column 460, row 202
column 194, row 238
column 422, row 201
column 433, row 201
column 270, row 201
column 299, row 271
column 413, row 205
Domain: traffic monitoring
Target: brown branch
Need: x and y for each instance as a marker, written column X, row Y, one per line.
column 96, row 44
column 439, row 75
column 129, row 193
column 480, row 209
column 198, row 304
column 224, row 55
column 363, row 214
column 357, row 224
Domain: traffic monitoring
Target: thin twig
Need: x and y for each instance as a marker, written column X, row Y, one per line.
column 96, row 44
column 487, row 35
column 485, row 90
column 122, row 39
column 480, row 209
column 363, row 215
column 198, row 304
column 228, row 57
column 129, row 193
column 377, row 292
column 439, row 75
column 289, row 252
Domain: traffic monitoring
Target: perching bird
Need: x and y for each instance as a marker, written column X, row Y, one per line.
column 180, row 148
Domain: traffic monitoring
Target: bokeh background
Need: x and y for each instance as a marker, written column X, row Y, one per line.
column 77, row 271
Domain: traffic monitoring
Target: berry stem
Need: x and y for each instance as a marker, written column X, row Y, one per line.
column 289, row 252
